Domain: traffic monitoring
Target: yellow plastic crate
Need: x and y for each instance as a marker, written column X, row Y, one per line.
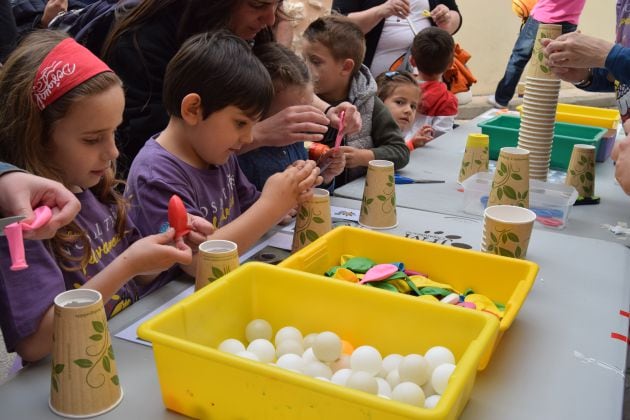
column 199, row 381
column 502, row 279
column 586, row 115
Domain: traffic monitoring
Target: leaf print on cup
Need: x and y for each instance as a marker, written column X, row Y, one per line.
column 510, row 184
column 98, row 354
column 56, row 370
column 501, row 243
column 306, row 218
column 581, row 170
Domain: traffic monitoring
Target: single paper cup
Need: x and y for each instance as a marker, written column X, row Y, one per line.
column 84, row 379
column 215, row 259
column 537, row 67
column 475, row 156
column 378, row 206
column 510, row 184
column 507, row 230
column 312, row 220
column 581, row 170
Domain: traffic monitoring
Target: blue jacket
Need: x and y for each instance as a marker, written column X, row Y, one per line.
column 617, row 68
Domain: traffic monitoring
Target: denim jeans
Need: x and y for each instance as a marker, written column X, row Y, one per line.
column 521, row 54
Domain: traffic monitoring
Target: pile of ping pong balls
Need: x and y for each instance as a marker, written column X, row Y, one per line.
column 413, row 379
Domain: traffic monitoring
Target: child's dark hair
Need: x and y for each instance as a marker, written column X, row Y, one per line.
column 388, row 82
column 285, row 67
column 433, row 50
column 26, row 135
column 221, row 68
column 343, row 38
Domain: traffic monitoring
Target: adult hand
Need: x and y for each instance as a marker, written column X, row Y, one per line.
column 441, row 15
column 622, row 164
column 576, row 50
column 356, row 157
column 20, row 192
column 52, row 9
column 292, row 124
column 570, row 75
column 351, row 120
column 398, row 8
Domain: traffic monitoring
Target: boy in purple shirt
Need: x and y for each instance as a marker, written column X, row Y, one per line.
column 215, row 90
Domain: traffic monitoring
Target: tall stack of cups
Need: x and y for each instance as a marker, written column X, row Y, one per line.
column 539, row 107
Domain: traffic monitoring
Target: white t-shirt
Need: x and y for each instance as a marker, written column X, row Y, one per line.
column 397, row 36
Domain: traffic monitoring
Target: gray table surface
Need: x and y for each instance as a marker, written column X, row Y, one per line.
column 557, row 361
column 441, row 159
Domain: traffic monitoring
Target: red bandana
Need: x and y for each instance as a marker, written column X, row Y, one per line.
column 65, row 67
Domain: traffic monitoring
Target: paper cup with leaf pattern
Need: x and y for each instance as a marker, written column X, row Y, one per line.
column 312, row 220
column 84, row 379
column 475, row 156
column 581, row 170
column 378, row 206
column 510, row 184
column 507, row 230
column 215, row 259
column 537, row 66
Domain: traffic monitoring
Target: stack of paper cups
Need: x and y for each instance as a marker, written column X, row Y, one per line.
column 539, row 108
column 507, row 230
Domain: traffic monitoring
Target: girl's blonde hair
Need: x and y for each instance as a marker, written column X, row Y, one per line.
column 25, row 134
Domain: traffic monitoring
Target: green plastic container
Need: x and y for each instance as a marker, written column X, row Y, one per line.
column 503, row 132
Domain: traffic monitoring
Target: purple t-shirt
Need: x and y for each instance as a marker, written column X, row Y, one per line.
column 218, row 193
column 27, row 294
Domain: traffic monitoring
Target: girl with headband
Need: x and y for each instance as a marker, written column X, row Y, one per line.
column 59, row 108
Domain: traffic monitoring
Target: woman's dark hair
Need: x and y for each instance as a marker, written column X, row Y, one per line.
column 197, row 16
column 221, row 68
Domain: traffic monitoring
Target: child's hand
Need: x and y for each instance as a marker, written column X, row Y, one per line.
column 156, row 253
column 288, row 218
column 422, row 136
column 351, row 121
column 356, row 157
column 336, row 166
column 286, row 189
column 200, row 229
